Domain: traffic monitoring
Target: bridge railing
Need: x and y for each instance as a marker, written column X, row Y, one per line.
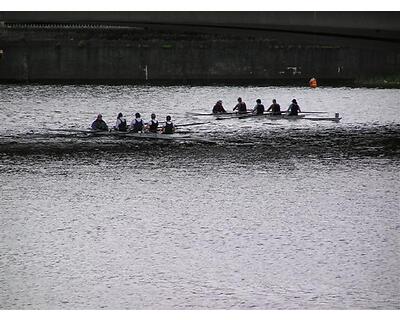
column 64, row 26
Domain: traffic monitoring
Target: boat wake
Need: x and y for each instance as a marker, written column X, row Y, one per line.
column 354, row 140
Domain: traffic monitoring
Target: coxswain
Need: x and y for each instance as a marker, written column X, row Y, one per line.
column 152, row 125
column 274, row 108
column 240, row 107
column 259, row 108
column 137, row 124
column 169, row 127
column 120, row 125
column 99, row 124
column 218, row 108
column 293, row 109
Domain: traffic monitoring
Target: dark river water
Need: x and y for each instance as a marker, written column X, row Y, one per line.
column 275, row 214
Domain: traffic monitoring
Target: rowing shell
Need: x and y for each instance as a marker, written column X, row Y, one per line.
column 282, row 116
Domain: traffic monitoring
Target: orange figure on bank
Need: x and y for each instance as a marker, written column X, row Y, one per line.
column 313, row 83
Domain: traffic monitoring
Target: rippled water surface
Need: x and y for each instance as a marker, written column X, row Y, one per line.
column 275, row 214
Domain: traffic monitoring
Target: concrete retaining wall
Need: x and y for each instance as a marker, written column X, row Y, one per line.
column 142, row 55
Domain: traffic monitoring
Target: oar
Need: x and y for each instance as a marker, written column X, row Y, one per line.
column 313, row 112
column 235, row 116
column 285, row 111
column 76, row 130
column 191, row 124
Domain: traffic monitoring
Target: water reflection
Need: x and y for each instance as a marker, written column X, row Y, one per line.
column 282, row 216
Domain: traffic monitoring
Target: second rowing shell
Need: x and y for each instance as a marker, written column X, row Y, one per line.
column 278, row 117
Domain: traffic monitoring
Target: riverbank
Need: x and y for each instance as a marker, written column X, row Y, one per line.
column 379, row 83
column 389, row 82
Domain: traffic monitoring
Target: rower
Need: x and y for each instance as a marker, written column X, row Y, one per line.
column 137, row 124
column 240, row 107
column 259, row 108
column 275, row 108
column 169, row 127
column 152, row 125
column 99, row 124
column 293, row 109
column 120, row 125
column 218, row 108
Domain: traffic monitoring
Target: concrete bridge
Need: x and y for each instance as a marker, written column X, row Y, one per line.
column 382, row 25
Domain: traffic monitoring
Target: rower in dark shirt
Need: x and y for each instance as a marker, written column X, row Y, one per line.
column 169, row 127
column 240, row 107
column 137, row 124
column 275, row 108
column 259, row 108
column 218, row 108
column 121, row 125
column 293, row 109
column 152, row 125
column 99, row 124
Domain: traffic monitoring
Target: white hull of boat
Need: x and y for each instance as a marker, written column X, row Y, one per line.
column 278, row 117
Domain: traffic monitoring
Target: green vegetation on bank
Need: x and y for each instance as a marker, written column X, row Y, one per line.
column 392, row 81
